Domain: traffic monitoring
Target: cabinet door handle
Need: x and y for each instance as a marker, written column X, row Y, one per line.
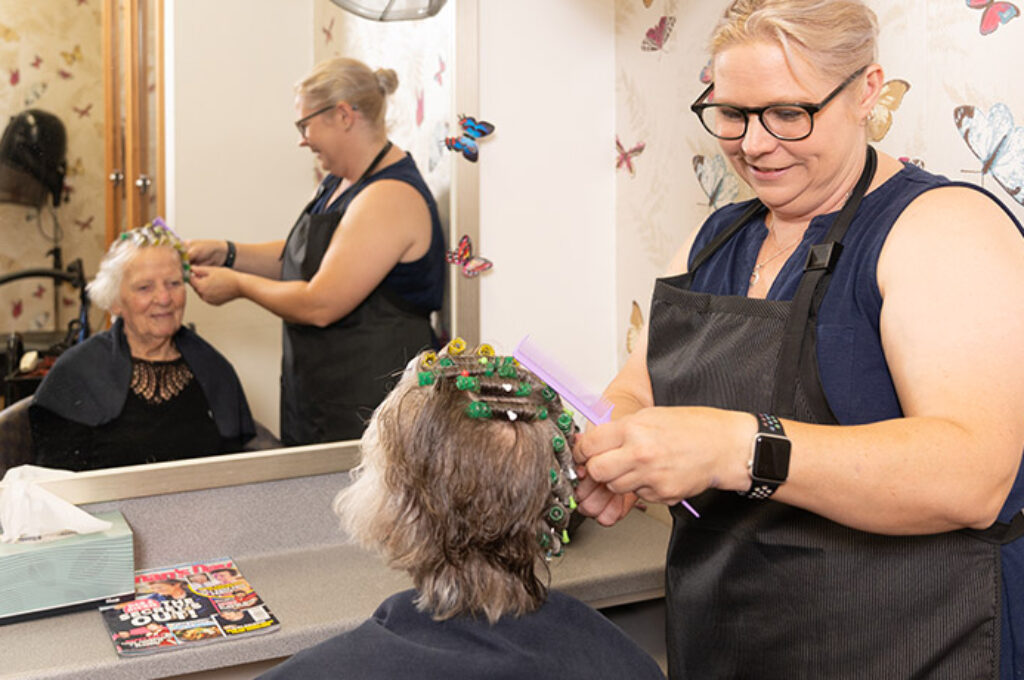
column 116, row 177
column 142, row 183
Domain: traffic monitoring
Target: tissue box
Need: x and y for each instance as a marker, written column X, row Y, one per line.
column 77, row 572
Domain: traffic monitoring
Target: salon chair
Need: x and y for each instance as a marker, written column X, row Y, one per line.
column 15, row 436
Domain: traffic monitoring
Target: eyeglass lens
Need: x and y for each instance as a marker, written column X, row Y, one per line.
column 785, row 122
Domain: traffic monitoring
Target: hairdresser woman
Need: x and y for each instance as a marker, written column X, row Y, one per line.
column 850, row 432
column 361, row 270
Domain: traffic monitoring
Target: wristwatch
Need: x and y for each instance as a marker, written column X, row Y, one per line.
column 769, row 459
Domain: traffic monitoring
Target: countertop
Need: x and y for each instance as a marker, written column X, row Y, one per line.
column 285, row 539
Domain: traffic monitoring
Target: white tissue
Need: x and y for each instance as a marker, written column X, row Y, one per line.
column 29, row 512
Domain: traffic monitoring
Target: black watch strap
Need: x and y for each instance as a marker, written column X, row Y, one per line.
column 761, row 489
column 229, row 259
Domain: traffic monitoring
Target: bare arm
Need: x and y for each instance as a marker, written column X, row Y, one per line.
column 387, row 223
column 952, row 280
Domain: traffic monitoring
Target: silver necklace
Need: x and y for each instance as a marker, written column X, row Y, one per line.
column 755, row 275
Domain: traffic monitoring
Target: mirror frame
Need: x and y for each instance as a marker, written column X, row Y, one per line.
column 135, row 481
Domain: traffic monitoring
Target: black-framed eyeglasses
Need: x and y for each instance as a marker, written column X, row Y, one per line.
column 788, row 122
column 303, row 122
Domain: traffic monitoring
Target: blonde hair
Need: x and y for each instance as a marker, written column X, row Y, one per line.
column 838, row 36
column 350, row 80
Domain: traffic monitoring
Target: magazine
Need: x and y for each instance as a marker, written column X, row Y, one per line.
column 187, row 604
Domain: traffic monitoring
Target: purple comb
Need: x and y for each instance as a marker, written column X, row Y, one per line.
column 594, row 407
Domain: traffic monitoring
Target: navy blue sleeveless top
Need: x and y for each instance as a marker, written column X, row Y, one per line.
column 420, row 282
column 854, row 373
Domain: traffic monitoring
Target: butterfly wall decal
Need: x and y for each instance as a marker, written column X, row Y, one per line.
column 656, row 37
column 472, row 130
column 997, row 143
column 419, row 107
column 993, row 14
column 636, row 325
column 718, row 184
column 626, row 156
column 912, row 161
column 880, row 119
column 472, row 265
column 440, row 71
column 705, row 73
column 74, row 55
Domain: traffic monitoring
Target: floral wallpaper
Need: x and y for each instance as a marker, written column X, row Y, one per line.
column 50, row 59
column 420, row 52
column 949, row 105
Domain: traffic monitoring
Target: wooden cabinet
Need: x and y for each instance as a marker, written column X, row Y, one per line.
column 134, row 105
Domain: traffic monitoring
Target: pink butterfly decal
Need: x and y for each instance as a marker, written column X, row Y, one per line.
column 472, row 265
column 994, row 14
column 39, row 291
column 85, row 224
column 15, row 76
column 37, row 61
column 17, row 307
column 328, row 31
column 82, row 113
column 440, row 70
column 912, row 161
column 625, row 157
column 656, row 37
column 419, row 108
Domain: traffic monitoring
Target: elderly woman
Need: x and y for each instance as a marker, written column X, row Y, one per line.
column 833, row 378
column 148, row 389
column 466, row 483
column 361, row 271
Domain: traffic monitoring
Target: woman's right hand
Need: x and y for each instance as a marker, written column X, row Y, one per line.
column 207, row 252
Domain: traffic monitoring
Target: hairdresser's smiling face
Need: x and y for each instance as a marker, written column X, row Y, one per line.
column 152, row 300
column 321, row 134
column 794, row 179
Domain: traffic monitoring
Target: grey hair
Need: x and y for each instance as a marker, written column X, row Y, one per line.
column 105, row 290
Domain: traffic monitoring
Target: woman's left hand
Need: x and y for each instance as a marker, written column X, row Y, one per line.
column 215, row 285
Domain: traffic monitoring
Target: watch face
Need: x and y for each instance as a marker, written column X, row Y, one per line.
column 771, row 458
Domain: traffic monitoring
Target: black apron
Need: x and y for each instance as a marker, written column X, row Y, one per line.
column 761, row 589
column 333, row 378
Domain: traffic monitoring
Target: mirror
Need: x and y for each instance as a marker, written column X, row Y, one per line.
column 52, row 56
column 234, row 171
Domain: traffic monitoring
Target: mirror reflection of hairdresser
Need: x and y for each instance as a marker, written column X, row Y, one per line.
column 466, row 483
column 148, row 389
column 361, row 270
column 854, row 452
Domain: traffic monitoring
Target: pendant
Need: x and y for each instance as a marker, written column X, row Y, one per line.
column 754, row 276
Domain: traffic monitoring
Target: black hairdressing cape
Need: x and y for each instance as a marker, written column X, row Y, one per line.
column 90, row 381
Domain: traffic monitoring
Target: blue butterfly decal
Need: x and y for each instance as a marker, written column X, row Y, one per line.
column 997, row 144
column 472, row 130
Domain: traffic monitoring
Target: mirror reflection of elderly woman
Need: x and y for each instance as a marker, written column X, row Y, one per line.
column 359, row 274
column 148, row 389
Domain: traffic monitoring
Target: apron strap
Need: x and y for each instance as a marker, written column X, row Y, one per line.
column 798, row 341
column 1000, row 533
column 714, row 244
